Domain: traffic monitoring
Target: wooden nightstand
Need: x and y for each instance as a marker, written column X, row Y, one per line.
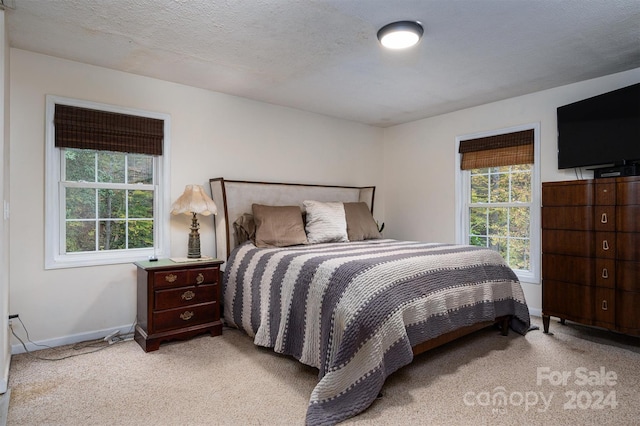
column 177, row 300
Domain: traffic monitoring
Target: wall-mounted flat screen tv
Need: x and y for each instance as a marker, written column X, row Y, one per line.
column 601, row 130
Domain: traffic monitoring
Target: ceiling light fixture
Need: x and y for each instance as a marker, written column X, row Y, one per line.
column 401, row 34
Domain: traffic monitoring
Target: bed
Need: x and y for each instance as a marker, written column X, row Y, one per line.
column 339, row 297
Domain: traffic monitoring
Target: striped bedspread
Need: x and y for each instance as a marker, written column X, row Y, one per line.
column 354, row 310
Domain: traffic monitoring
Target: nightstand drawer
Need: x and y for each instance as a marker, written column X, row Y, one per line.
column 184, row 296
column 184, row 317
column 203, row 276
column 186, row 277
column 170, row 279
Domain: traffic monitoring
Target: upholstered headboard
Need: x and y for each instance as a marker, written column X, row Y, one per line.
column 234, row 198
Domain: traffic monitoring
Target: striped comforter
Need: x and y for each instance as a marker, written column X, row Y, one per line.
column 354, row 310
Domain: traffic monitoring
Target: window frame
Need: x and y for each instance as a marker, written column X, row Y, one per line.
column 463, row 183
column 55, row 257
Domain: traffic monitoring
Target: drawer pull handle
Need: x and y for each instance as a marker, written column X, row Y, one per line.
column 171, row 278
column 604, row 219
column 200, row 278
column 605, row 273
column 605, row 245
column 188, row 295
column 604, row 305
column 186, row 315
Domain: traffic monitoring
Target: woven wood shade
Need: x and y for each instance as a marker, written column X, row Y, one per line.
column 84, row 128
column 499, row 150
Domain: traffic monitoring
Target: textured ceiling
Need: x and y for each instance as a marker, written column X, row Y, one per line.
column 323, row 55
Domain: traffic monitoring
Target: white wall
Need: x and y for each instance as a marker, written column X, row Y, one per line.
column 5, row 349
column 419, row 159
column 212, row 135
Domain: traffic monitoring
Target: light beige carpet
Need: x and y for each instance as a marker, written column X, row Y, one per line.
column 226, row 380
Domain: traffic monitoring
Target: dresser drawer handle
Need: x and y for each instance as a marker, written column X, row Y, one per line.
column 186, row 315
column 604, row 219
column 171, row 278
column 200, row 278
column 605, row 273
column 604, row 305
column 188, row 295
column 605, row 245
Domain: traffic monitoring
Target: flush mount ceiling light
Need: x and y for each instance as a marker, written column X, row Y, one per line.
column 401, row 34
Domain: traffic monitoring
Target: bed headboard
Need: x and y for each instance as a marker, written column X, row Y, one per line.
column 235, row 197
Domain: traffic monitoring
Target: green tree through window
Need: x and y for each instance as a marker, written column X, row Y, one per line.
column 109, row 200
column 499, row 212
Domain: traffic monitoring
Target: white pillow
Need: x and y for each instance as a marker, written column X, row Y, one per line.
column 326, row 222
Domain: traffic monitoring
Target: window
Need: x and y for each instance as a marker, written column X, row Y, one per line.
column 499, row 209
column 108, row 198
column 498, row 199
column 106, row 184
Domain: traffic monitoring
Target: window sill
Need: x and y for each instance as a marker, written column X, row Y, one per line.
column 88, row 260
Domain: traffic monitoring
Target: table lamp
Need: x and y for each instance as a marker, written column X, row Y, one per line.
column 194, row 201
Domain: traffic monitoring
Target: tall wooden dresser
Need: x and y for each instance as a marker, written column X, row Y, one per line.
column 591, row 253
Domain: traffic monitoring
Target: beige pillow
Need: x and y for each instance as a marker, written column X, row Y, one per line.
column 278, row 226
column 360, row 222
column 325, row 222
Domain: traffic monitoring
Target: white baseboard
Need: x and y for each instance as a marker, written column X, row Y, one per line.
column 4, row 379
column 4, row 407
column 67, row 340
column 535, row 312
column 4, row 371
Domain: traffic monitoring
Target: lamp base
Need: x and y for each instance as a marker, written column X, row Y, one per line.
column 194, row 240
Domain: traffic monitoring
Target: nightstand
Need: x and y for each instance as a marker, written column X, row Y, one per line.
column 177, row 300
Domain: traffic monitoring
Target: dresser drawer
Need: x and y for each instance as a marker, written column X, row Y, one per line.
column 170, row 279
column 628, row 275
column 605, row 272
column 567, row 300
column 179, row 278
column 629, row 192
column 182, row 317
column 606, row 245
column 184, row 296
column 605, row 193
column 605, row 307
column 203, row 276
column 579, row 218
column 605, row 218
column 570, row 193
column 628, row 219
column 571, row 243
column 569, row 269
column 628, row 246
column 627, row 312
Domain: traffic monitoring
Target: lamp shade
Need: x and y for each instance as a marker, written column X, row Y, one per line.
column 400, row 35
column 194, row 200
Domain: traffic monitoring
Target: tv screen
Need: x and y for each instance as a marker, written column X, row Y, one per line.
column 602, row 130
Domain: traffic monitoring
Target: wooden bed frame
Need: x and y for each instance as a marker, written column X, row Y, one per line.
column 502, row 322
column 235, row 197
